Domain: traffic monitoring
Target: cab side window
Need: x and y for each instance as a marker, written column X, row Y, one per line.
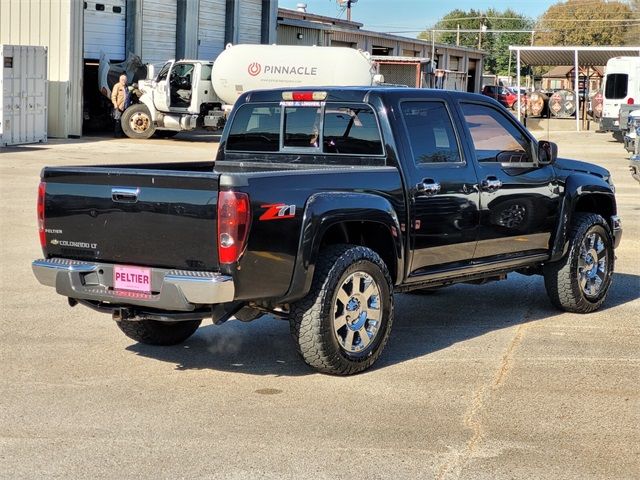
column 350, row 129
column 495, row 137
column 431, row 133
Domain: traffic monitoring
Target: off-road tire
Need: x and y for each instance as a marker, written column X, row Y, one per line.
column 152, row 332
column 312, row 318
column 561, row 278
column 140, row 111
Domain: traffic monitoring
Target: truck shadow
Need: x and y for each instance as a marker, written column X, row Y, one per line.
column 423, row 324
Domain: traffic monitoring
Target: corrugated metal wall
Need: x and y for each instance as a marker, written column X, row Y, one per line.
column 158, row 28
column 288, row 35
column 57, row 25
column 250, row 21
column 359, row 40
column 211, row 28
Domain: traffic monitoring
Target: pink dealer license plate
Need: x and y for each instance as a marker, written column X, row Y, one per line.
column 137, row 279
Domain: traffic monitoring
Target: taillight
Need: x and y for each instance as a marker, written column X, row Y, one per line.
column 233, row 225
column 304, row 96
column 631, row 101
column 42, row 188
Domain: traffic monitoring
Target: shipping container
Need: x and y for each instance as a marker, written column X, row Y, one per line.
column 23, row 104
column 57, row 25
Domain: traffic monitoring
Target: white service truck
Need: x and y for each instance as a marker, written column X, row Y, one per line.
column 621, row 87
column 192, row 94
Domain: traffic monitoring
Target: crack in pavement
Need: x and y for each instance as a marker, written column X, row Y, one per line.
column 473, row 416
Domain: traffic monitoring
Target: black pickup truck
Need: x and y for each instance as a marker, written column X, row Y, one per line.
column 319, row 206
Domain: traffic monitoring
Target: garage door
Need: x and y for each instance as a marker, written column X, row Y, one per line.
column 250, row 21
column 211, row 29
column 159, row 19
column 104, row 29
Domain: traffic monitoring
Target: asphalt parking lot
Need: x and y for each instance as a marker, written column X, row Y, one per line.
column 477, row 382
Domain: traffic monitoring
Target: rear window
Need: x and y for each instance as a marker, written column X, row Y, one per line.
column 302, row 127
column 332, row 128
column 616, row 86
column 256, row 128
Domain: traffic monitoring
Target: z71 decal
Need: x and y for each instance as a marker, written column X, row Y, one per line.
column 278, row 211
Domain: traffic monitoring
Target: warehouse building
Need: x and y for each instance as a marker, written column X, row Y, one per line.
column 402, row 60
column 76, row 32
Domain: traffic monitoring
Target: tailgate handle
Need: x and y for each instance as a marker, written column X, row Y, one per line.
column 125, row 195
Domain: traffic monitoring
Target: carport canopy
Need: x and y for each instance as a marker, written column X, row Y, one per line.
column 568, row 56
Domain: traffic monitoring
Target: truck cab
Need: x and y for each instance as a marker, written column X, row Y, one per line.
column 180, row 97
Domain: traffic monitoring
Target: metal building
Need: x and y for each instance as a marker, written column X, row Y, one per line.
column 452, row 67
column 77, row 32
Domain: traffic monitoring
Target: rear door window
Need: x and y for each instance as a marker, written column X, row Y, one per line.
column 616, row 86
column 256, row 128
column 431, row 133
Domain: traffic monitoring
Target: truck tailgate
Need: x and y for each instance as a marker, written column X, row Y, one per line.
column 136, row 216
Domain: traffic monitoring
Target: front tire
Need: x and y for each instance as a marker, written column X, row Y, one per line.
column 580, row 281
column 152, row 332
column 137, row 122
column 342, row 326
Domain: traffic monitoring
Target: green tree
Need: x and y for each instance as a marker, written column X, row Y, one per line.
column 576, row 22
column 495, row 44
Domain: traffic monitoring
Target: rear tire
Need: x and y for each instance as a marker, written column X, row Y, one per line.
column 137, row 123
column 342, row 326
column 579, row 282
column 152, row 332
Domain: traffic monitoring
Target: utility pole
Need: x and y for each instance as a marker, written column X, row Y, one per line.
column 458, row 36
column 483, row 28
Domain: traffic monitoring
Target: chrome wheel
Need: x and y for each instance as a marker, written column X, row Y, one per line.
column 592, row 265
column 357, row 312
column 139, row 122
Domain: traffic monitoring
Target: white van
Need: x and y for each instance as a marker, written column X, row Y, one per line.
column 621, row 86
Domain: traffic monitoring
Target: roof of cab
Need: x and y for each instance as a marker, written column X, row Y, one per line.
column 358, row 94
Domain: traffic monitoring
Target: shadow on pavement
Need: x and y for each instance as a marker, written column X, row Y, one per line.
column 423, row 324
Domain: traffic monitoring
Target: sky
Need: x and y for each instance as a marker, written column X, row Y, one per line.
column 410, row 17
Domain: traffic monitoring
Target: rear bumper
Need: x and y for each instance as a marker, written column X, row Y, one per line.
column 609, row 124
column 174, row 290
column 630, row 143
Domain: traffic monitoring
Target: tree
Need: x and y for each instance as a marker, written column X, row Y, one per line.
column 633, row 30
column 576, row 22
column 495, row 44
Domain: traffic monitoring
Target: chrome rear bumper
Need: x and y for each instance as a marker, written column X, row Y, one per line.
column 177, row 290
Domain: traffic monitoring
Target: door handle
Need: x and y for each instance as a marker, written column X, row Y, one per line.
column 491, row 184
column 125, row 195
column 428, row 187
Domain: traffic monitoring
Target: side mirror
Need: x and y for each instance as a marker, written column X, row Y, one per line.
column 547, row 152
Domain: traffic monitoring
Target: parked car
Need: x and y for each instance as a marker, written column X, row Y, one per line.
column 630, row 125
column 319, row 206
column 505, row 95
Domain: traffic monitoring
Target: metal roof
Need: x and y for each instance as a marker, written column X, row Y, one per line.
column 587, row 56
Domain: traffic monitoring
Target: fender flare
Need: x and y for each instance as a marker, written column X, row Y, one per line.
column 147, row 100
column 577, row 187
column 327, row 209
